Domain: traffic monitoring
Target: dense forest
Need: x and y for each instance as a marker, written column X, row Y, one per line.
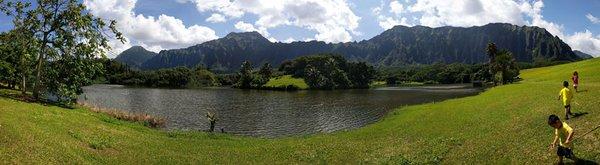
column 397, row 47
column 179, row 77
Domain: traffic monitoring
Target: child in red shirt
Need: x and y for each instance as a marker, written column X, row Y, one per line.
column 575, row 79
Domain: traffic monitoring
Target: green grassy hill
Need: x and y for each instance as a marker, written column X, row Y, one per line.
column 286, row 80
column 505, row 124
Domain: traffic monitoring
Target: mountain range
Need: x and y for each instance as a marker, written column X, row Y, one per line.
column 582, row 55
column 397, row 46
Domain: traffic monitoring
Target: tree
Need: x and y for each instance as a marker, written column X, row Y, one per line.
column 202, row 77
column 361, row 74
column 16, row 47
column 246, row 76
column 330, row 71
column 506, row 67
column 69, row 38
column 326, row 73
column 286, row 66
column 266, row 71
column 491, row 52
column 314, row 78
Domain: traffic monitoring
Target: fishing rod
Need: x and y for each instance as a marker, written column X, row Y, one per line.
column 578, row 137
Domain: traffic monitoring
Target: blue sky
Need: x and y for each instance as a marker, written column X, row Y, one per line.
column 168, row 24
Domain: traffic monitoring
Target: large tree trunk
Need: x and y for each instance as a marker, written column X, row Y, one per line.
column 23, row 84
column 38, row 76
column 24, row 69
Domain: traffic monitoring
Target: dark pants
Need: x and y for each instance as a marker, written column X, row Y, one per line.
column 566, row 152
column 212, row 126
column 568, row 111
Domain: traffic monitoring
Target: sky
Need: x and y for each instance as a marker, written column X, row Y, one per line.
column 169, row 24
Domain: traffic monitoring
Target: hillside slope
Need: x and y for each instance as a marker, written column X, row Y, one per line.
column 505, row 124
column 135, row 56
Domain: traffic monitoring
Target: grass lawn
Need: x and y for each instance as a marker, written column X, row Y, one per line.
column 506, row 124
column 283, row 81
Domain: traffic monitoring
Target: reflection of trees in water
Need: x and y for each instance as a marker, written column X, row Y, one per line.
column 264, row 113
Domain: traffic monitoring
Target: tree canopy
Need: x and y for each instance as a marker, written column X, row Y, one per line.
column 62, row 40
column 330, row 71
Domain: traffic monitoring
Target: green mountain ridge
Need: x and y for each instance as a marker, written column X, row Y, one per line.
column 135, row 56
column 398, row 46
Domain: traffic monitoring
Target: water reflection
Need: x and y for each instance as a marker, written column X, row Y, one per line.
column 266, row 113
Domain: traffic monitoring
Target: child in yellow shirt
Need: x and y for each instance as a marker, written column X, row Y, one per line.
column 566, row 95
column 563, row 134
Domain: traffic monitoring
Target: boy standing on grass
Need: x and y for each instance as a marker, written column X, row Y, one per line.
column 566, row 95
column 563, row 135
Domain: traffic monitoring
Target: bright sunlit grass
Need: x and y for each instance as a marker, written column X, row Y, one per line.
column 286, row 80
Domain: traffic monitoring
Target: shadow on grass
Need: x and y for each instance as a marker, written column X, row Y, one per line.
column 15, row 95
column 583, row 162
column 18, row 96
column 582, row 91
column 578, row 114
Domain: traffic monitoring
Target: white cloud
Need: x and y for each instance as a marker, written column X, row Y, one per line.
column 467, row 12
column 593, row 19
column 155, row 34
column 246, row 27
column 215, row 18
column 332, row 20
column 396, row 7
column 389, row 22
column 243, row 26
column 224, row 6
column 289, row 40
column 585, row 42
column 376, row 10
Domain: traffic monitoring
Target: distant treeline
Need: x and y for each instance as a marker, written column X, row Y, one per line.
column 179, row 77
column 501, row 68
column 433, row 74
column 321, row 71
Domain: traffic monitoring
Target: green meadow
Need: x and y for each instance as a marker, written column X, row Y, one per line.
column 286, row 80
column 504, row 124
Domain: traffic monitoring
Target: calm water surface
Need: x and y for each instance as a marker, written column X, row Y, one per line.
column 267, row 113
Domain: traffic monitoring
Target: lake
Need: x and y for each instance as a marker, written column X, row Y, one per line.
column 263, row 113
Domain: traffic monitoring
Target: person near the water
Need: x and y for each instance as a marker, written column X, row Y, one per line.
column 575, row 79
column 566, row 96
column 563, row 136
